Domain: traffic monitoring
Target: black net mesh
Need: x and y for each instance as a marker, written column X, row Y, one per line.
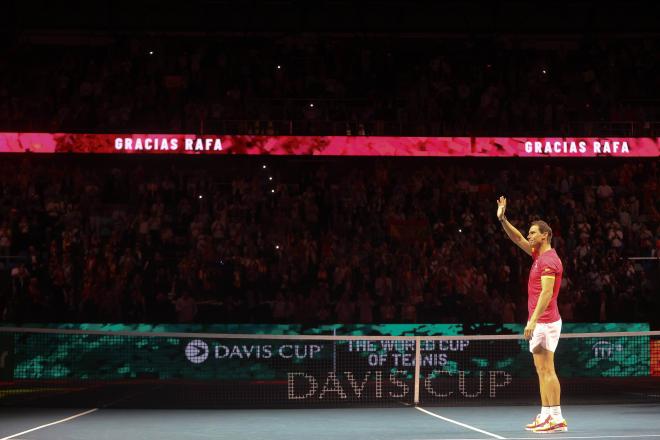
column 128, row 369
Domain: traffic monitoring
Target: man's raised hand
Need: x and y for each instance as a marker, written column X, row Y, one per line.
column 501, row 207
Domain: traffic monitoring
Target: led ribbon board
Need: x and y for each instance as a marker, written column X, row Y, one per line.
column 218, row 144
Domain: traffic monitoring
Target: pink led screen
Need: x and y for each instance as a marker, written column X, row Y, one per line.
column 328, row 145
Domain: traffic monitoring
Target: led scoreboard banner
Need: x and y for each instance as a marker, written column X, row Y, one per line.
column 328, row 145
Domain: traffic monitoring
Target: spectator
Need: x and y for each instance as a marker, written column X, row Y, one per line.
column 186, row 308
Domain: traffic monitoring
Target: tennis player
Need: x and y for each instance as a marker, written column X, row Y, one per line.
column 544, row 323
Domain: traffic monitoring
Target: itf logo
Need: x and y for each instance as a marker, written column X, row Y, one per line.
column 604, row 349
column 197, row 351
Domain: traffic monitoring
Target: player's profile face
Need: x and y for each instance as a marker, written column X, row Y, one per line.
column 534, row 235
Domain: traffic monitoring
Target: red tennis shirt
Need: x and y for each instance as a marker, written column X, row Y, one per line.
column 547, row 263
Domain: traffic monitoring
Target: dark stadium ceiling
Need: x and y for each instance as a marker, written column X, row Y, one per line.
column 353, row 16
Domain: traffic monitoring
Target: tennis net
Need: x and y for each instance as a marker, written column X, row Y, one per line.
column 56, row 368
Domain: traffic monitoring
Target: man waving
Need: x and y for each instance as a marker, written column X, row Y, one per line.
column 543, row 323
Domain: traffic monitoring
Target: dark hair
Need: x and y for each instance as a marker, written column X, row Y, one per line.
column 543, row 228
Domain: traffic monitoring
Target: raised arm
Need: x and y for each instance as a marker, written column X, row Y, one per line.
column 511, row 230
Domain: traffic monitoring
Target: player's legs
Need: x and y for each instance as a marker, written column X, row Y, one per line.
column 540, row 418
column 542, row 345
column 545, row 367
column 539, row 366
column 544, row 360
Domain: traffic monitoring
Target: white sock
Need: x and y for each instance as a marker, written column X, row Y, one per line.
column 545, row 411
column 555, row 411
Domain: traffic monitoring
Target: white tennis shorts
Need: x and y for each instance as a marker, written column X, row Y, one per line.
column 546, row 334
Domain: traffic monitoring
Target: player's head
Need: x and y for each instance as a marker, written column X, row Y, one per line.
column 539, row 233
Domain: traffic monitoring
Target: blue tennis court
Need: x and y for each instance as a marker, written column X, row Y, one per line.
column 405, row 423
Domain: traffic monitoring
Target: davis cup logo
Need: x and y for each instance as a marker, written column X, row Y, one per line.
column 197, row 351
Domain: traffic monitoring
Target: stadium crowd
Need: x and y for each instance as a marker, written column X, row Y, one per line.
column 355, row 84
column 235, row 239
column 326, row 240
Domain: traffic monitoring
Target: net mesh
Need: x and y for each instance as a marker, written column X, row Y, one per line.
column 57, row 368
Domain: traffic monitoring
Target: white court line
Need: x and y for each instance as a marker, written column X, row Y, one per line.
column 457, row 423
column 13, row 436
